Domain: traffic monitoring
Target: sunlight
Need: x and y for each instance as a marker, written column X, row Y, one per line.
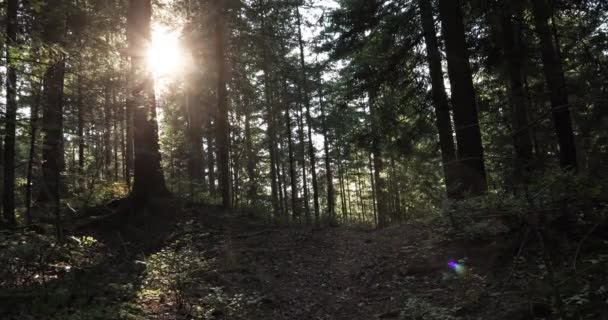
column 165, row 56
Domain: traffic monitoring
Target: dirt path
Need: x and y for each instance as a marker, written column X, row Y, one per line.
column 243, row 270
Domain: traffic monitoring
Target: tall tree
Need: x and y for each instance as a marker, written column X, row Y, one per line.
column 222, row 126
column 328, row 171
column 472, row 171
column 11, row 113
column 149, row 181
column 513, row 47
column 306, row 100
column 52, row 109
column 556, row 83
column 440, row 98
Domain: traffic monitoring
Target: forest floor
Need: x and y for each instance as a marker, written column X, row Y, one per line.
column 205, row 264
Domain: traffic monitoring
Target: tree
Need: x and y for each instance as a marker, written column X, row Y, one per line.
column 11, row 114
column 556, row 83
column 222, row 127
column 306, row 100
column 149, row 181
column 440, row 98
column 472, row 170
column 52, row 111
column 513, row 46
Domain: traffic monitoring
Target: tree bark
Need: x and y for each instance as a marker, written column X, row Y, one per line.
column 293, row 177
column 513, row 46
column 554, row 77
column 306, row 199
column 379, row 181
column 471, row 167
column 328, row 171
column 149, row 181
column 440, row 98
column 274, row 192
column 222, row 125
column 8, row 196
column 311, row 148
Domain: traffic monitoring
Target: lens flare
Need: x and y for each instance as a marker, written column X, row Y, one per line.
column 457, row 267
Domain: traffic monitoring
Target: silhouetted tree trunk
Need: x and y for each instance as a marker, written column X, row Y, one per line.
column 251, row 158
column 107, row 132
column 52, row 116
column 211, row 150
column 379, row 181
column 293, row 177
column 195, row 137
column 129, row 161
column 274, row 192
column 328, row 171
column 222, row 126
column 32, row 154
column 149, row 181
column 306, row 100
column 554, row 76
column 306, row 199
column 513, row 46
column 471, row 167
column 372, row 180
column 10, row 120
column 80, row 128
column 440, row 98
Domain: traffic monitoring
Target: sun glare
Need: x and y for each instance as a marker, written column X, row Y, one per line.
column 165, row 56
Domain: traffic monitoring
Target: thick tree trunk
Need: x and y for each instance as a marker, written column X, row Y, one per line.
column 440, row 98
column 8, row 197
column 471, row 167
column 554, row 76
column 149, row 182
column 306, row 100
column 222, row 125
column 511, row 22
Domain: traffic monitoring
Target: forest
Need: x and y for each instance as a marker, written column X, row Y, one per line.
column 303, row 159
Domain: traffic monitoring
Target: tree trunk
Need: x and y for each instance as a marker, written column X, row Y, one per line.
column 293, row 177
column 512, row 40
column 311, row 148
column 129, row 161
column 379, row 181
column 328, row 172
column 303, row 165
column 223, row 128
column 440, row 98
column 8, row 196
column 32, row 154
column 468, row 135
column 107, row 133
column 554, row 76
column 372, row 179
column 149, row 181
column 52, row 117
column 251, row 159
column 274, row 192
